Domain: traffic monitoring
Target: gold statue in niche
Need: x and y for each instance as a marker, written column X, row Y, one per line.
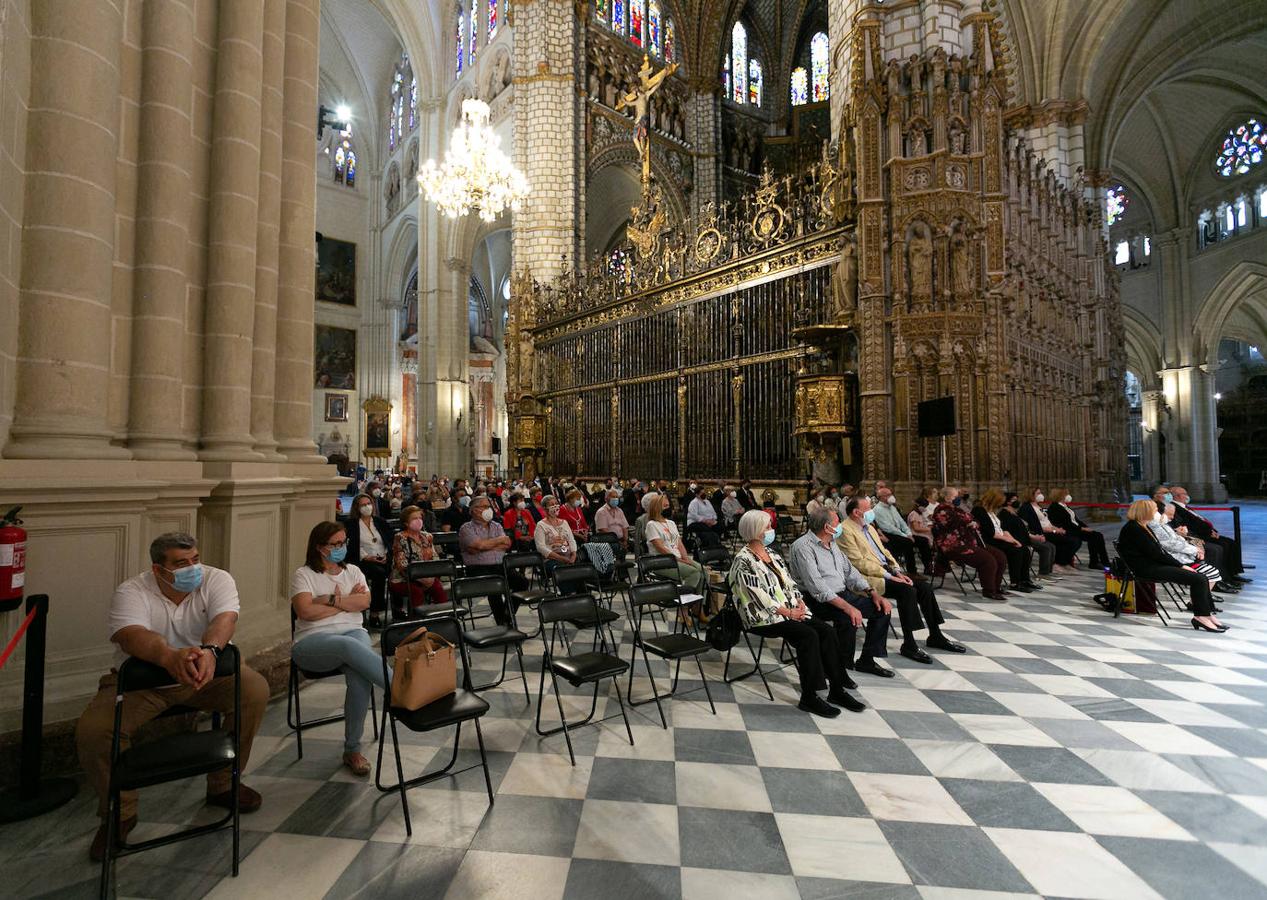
column 921, row 260
column 844, row 281
column 961, row 262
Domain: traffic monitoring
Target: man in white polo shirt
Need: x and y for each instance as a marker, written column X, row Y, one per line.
column 179, row 615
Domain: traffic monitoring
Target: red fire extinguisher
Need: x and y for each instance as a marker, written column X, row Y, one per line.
column 12, row 560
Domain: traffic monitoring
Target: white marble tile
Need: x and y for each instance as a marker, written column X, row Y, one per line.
column 842, row 848
column 1098, row 809
column 721, row 884
column 1000, row 650
column 964, row 662
column 691, row 715
column 1200, row 692
column 312, row 866
column 1143, row 771
column 958, row 759
column 487, row 874
column 1185, row 712
column 1215, row 675
column 1251, row 860
column 900, row 699
column 1066, row 685
column 721, row 786
column 932, row 892
column 809, row 751
column 1038, row 706
column 1160, row 737
column 937, row 680
column 1061, row 864
column 908, row 798
column 1003, row 730
column 868, row 723
column 1090, row 668
column 547, row 775
column 440, row 819
column 650, row 741
column 628, row 832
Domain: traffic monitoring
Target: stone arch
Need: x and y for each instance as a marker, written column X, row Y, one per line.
column 1244, row 285
column 1143, row 348
column 624, row 153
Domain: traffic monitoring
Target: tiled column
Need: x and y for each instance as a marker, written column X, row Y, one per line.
column 64, row 321
column 292, row 422
column 234, row 214
column 703, row 133
column 164, row 206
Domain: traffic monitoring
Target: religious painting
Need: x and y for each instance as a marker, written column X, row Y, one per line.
column 336, row 407
column 336, row 271
column 334, row 357
column 377, row 425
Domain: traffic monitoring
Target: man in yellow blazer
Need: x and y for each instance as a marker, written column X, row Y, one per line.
column 912, row 595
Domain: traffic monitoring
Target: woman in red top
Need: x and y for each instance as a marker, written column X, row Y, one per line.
column 573, row 512
column 955, row 537
column 519, row 523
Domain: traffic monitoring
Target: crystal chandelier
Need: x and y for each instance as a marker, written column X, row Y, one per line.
column 475, row 174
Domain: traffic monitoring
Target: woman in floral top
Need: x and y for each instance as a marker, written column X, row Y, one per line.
column 411, row 546
column 770, row 605
column 955, row 537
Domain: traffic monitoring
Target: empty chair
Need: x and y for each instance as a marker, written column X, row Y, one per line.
column 583, row 578
column 672, row 647
column 492, row 637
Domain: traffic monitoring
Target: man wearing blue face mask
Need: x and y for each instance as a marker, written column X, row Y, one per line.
column 179, row 615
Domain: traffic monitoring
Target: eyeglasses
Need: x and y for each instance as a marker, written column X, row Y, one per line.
column 338, row 545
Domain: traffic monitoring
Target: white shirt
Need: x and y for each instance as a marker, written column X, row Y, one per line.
column 1043, row 522
column 700, row 511
column 138, row 601
column 306, row 581
column 664, row 531
column 994, row 520
column 371, row 540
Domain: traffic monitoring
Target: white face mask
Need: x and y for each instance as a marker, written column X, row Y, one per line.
column 1158, row 518
column 731, row 494
column 1038, row 498
column 486, row 514
column 519, row 504
column 365, row 509
column 892, row 501
column 1068, row 498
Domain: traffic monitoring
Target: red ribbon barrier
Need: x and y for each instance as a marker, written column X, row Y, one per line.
column 1127, row 506
column 13, row 644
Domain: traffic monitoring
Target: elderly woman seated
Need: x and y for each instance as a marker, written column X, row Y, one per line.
column 1141, row 550
column 1187, row 551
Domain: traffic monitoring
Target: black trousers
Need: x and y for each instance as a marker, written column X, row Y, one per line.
column 1046, row 555
column 1199, row 585
column 1095, row 547
column 1066, row 546
column 925, row 549
column 817, row 651
column 499, row 603
column 1229, row 553
column 904, row 549
column 376, row 575
column 875, row 638
column 916, row 607
column 1017, row 560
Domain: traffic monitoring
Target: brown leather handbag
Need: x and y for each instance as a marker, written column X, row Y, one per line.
column 425, row 670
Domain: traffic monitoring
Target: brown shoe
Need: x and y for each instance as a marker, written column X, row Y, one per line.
column 97, row 852
column 248, row 800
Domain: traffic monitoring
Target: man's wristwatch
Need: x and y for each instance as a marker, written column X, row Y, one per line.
column 215, row 651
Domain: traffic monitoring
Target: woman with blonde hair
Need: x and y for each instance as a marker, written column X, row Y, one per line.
column 1140, row 549
column 662, row 536
column 994, row 534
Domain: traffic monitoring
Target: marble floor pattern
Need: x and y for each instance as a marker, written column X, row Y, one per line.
column 1065, row 755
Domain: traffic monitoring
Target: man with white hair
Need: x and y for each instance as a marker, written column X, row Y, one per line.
column 1227, row 555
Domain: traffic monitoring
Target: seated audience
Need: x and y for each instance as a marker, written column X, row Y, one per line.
column 662, row 536
column 413, row 544
column 553, row 536
column 572, row 511
column 1039, row 524
column 1141, row 551
column 990, row 527
column 519, row 523
column 1009, row 516
column 1223, row 551
column 865, row 550
column 920, row 518
column 1062, row 516
column 955, row 536
column 483, row 542
column 770, row 605
column 610, row 518
column 842, row 500
column 328, row 597
column 731, row 508
column 838, row 593
column 179, row 615
column 368, row 536
column 1187, row 552
column 701, row 515
column 746, row 498
column 455, row 514
column 896, row 531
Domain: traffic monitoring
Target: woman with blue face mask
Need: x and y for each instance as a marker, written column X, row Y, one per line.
column 329, row 597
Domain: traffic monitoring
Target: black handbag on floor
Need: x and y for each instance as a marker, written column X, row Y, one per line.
column 723, row 629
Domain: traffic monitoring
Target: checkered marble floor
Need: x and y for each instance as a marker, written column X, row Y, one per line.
column 1066, row 755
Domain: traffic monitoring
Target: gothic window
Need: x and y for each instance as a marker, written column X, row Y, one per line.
column 602, row 12
column 1115, row 201
column 1122, row 253
column 492, row 18
column 345, row 161
column 725, row 76
column 618, row 263
column 395, row 107
column 475, row 27
column 636, row 8
column 818, row 62
column 1242, row 149
column 739, row 62
column 461, row 46
column 653, row 27
column 618, row 16
column 800, row 86
column 670, row 42
column 413, row 102
column 754, row 82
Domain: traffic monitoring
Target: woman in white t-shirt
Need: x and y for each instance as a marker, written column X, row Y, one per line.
column 329, row 597
column 662, row 537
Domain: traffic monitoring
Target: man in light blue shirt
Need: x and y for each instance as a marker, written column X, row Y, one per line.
column 895, row 532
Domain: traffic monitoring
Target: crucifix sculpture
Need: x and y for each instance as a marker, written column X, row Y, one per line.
column 639, row 99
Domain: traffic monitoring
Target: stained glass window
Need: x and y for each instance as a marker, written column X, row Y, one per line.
column 340, row 162
column 618, row 16
column 350, row 178
column 800, row 86
column 394, row 110
column 739, row 62
column 725, row 76
column 653, row 27
column 1242, row 149
column 492, row 18
column 754, row 82
column 1115, row 201
column 636, row 8
column 413, row 102
column 461, row 35
column 818, row 63
column 670, row 42
column 618, row 263
column 475, row 27
column 1122, row 254
column 601, row 11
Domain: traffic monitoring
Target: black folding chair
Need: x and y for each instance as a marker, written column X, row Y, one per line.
column 297, row 723
column 672, row 647
column 589, row 667
column 172, row 758
column 583, row 578
column 1126, row 577
column 531, row 567
column 491, row 637
column 449, row 543
column 464, row 705
column 432, row 568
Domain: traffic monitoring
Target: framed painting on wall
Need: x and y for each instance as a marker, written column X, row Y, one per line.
column 336, row 407
column 378, row 413
column 336, row 271
column 334, row 357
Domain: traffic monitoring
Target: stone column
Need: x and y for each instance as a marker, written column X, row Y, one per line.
column 1153, row 418
column 63, row 363
column 292, row 422
column 703, row 132
column 164, row 205
column 264, row 345
column 1192, row 447
column 229, row 317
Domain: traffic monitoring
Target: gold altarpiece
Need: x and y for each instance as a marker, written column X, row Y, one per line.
column 929, row 253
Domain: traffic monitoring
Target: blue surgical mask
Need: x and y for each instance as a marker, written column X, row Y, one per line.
column 868, row 517
column 187, row 579
column 1168, row 497
column 613, row 502
column 767, row 538
column 464, row 502
column 337, row 555
column 838, row 530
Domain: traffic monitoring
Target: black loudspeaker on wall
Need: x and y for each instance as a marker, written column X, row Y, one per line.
column 497, row 444
column 937, row 417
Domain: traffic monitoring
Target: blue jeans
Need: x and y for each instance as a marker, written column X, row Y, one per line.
column 350, row 653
